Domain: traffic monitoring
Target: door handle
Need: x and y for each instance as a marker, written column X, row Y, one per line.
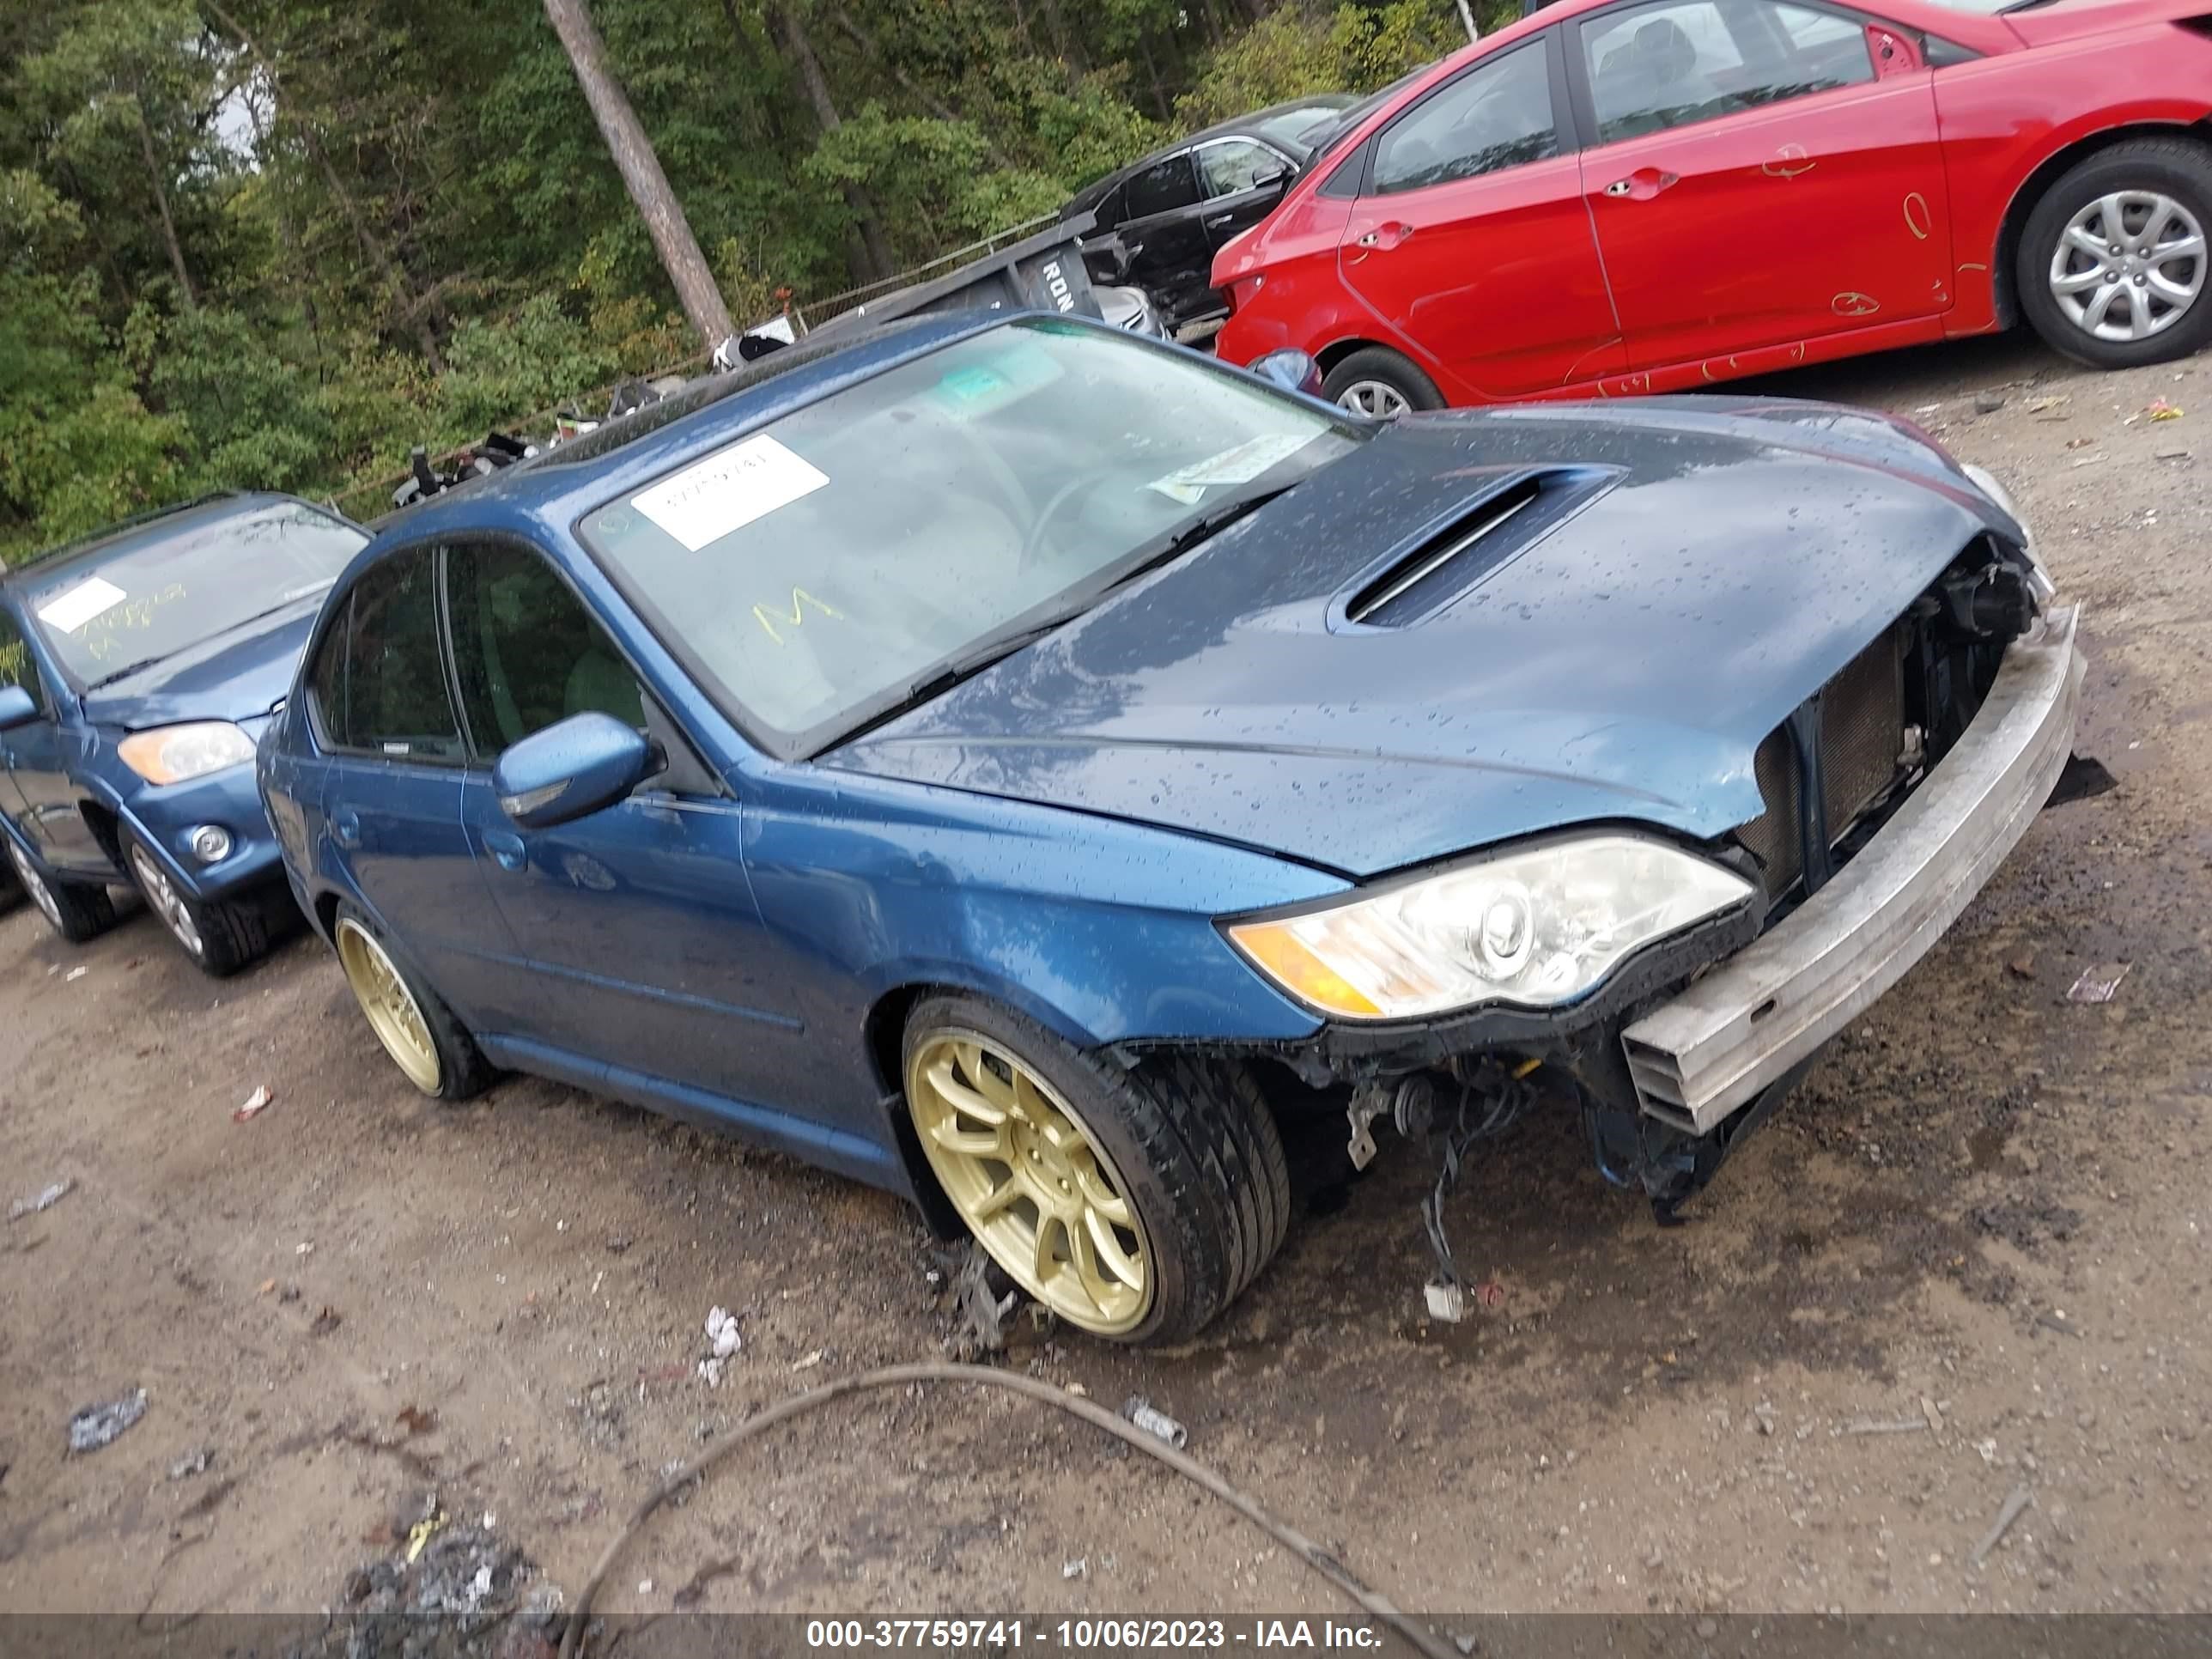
column 345, row 827
column 1386, row 235
column 506, row 848
column 1215, row 220
column 1643, row 185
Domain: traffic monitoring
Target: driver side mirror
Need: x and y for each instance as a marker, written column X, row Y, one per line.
column 571, row 770
column 1273, row 178
column 16, row 707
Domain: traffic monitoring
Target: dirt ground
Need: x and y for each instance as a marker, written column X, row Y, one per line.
column 1984, row 1217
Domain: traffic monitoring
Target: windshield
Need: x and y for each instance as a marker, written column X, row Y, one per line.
column 1297, row 127
column 819, row 568
column 1325, row 138
column 159, row 593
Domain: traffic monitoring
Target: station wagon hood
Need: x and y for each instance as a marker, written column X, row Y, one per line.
column 236, row 676
column 1385, row 667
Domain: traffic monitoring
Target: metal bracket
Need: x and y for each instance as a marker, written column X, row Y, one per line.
column 1369, row 1102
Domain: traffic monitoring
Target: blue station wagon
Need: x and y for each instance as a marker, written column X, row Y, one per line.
column 138, row 669
column 1022, row 765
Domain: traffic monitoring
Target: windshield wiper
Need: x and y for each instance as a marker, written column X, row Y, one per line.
column 125, row 673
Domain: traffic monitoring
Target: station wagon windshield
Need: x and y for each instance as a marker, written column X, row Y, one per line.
column 156, row 596
column 829, row 566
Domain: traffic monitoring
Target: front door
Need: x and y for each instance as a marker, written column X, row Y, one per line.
column 1169, row 255
column 40, row 796
column 636, row 940
column 1241, row 179
column 1763, row 173
column 1470, row 242
column 391, row 795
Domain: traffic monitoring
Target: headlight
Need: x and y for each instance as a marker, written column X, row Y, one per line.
column 1986, row 482
column 170, row 754
column 1538, row 928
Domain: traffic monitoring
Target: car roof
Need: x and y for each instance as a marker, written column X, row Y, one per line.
column 146, row 529
column 1236, row 126
column 557, row 486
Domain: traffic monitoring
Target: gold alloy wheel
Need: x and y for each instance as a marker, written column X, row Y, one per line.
column 390, row 1005
column 1033, row 1187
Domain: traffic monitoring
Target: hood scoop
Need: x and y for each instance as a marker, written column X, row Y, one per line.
column 1446, row 557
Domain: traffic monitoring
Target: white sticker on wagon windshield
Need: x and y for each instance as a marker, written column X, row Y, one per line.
column 728, row 490
column 72, row 609
column 1246, row 462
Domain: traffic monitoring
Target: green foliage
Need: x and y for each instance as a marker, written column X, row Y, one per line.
column 274, row 243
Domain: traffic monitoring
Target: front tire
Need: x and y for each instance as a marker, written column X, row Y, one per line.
column 77, row 912
column 220, row 937
column 431, row 1048
column 2113, row 260
column 1381, row 384
column 1135, row 1204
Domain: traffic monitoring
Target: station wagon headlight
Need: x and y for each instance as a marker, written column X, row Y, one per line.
column 1536, row 928
column 174, row 754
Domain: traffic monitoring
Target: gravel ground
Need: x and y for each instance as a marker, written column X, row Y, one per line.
column 1984, row 1218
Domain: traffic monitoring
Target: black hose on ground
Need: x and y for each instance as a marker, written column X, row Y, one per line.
column 892, row 1376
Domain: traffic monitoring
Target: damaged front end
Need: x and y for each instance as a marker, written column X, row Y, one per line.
column 1892, row 794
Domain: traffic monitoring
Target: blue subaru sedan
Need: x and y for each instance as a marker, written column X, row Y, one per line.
column 1023, row 766
column 138, row 669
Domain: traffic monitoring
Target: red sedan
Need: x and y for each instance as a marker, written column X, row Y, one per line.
column 1615, row 196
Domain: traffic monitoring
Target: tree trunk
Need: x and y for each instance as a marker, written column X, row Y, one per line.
column 877, row 252
column 640, row 173
column 161, row 201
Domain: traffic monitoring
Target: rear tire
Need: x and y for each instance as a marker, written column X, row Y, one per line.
column 75, row 911
column 1381, row 384
column 419, row 1033
column 219, row 936
column 1184, row 1151
column 2159, row 188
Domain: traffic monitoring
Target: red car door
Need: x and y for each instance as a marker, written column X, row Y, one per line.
column 1469, row 240
column 1760, row 173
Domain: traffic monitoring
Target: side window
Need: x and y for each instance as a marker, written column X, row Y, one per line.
column 17, row 667
column 1678, row 62
column 1163, row 187
column 380, row 683
column 1232, row 165
column 1494, row 116
column 527, row 654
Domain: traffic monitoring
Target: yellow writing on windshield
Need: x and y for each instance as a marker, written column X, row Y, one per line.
column 799, row 599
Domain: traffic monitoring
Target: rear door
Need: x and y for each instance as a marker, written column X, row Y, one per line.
column 1760, row 173
column 1470, row 242
column 1164, row 229
column 384, row 716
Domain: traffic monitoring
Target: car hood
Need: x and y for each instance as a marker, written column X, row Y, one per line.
column 1616, row 651
column 232, row 676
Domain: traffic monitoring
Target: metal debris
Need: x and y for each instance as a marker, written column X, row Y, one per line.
column 75, row 975
column 981, row 1307
column 1885, row 1425
column 96, row 1426
column 2099, row 984
column 1447, row 1300
column 2013, row 1506
column 1155, row 1422
column 44, row 1200
column 192, row 1464
column 2055, row 1320
column 1078, row 1568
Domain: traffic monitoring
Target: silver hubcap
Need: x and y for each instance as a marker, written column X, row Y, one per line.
column 167, row 902
column 1375, row 399
column 2129, row 265
column 41, row 895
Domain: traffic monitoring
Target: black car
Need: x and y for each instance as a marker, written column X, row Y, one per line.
column 1169, row 212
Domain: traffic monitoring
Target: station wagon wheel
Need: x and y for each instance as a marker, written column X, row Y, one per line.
column 1381, row 384
column 1136, row 1204
column 431, row 1048
column 76, row 913
column 2113, row 260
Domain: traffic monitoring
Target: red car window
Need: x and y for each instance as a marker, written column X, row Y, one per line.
column 1677, row 62
column 1496, row 116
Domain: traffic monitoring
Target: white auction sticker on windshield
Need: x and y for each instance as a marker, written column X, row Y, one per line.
column 1246, row 462
column 728, row 490
column 80, row 604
